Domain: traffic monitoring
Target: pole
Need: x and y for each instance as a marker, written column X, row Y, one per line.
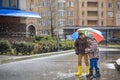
column 52, row 24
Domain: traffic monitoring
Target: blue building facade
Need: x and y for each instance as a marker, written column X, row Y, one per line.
column 9, row 4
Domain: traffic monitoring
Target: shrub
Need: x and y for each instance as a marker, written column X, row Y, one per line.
column 38, row 38
column 66, row 45
column 23, row 47
column 43, row 38
column 38, row 47
column 5, row 47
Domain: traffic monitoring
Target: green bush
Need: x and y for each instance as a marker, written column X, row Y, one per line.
column 23, row 47
column 49, row 46
column 43, row 38
column 38, row 38
column 5, row 47
column 42, row 44
column 66, row 45
column 45, row 44
column 38, row 47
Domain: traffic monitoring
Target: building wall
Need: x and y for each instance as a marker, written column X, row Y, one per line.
column 85, row 13
column 32, row 5
column 60, row 15
column 111, row 12
column 90, row 12
column 22, row 4
column 118, row 13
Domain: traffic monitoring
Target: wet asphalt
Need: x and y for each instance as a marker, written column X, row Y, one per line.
column 59, row 67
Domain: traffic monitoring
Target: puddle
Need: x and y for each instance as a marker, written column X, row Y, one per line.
column 61, row 75
column 109, row 65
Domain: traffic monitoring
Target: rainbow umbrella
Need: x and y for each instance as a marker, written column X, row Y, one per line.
column 89, row 31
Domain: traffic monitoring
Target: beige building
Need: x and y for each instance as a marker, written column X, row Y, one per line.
column 32, row 23
column 55, row 15
column 59, row 14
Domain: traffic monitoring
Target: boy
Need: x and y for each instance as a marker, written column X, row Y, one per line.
column 80, row 46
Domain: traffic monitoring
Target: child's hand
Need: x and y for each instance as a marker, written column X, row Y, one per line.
column 87, row 50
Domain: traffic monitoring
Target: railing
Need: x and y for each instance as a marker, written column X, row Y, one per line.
column 92, row 17
column 18, row 33
column 92, row 0
column 92, row 9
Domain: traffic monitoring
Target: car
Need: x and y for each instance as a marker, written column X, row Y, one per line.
column 114, row 40
column 105, row 41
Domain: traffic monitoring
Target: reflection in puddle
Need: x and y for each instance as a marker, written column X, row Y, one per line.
column 109, row 65
column 70, row 76
column 64, row 75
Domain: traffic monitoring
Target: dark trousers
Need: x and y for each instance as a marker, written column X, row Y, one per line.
column 94, row 64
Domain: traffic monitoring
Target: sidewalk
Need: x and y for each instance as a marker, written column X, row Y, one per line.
column 6, row 59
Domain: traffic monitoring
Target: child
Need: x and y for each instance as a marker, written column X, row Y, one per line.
column 80, row 46
column 93, row 52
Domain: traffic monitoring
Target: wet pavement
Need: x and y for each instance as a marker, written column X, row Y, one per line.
column 58, row 67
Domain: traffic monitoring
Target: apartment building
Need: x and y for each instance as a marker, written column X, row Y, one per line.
column 92, row 12
column 63, row 17
column 99, row 14
column 56, row 14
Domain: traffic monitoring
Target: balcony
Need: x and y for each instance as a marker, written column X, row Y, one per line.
column 61, row 0
column 92, row 9
column 92, row 13
column 92, row 18
column 92, row 0
column 92, row 22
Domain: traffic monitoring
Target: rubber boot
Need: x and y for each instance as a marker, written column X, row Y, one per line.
column 97, row 74
column 79, row 71
column 90, row 75
column 87, row 70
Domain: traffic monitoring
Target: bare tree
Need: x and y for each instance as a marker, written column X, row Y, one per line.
column 52, row 10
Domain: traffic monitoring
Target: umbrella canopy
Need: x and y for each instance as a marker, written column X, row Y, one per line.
column 88, row 31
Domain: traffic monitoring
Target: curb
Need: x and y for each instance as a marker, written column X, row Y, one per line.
column 109, row 47
column 33, row 56
column 117, row 64
column 17, row 58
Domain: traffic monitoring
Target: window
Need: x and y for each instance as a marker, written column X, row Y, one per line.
column 102, row 5
column 102, row 23
column 14, row 3
column 70, row 13
column 82, row 13
column 70, row 22
column 5, row 3
column 32, row 0
column 102, row 14
column 110, row 14
column 60, row 13
column 31, row 6
column 83, row 22
column 44, row 22
column 9, row 4
column 45, row 13
column 118, row 5
column 61, row 22
column 70, row 4
column 43, row 32
column 61, row 4
column 82, row 4
column 43, row 4
column 110, row 5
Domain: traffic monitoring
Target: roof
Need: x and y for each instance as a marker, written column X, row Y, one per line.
column 18, row 13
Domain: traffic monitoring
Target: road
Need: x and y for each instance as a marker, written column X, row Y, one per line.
column 58, row 67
